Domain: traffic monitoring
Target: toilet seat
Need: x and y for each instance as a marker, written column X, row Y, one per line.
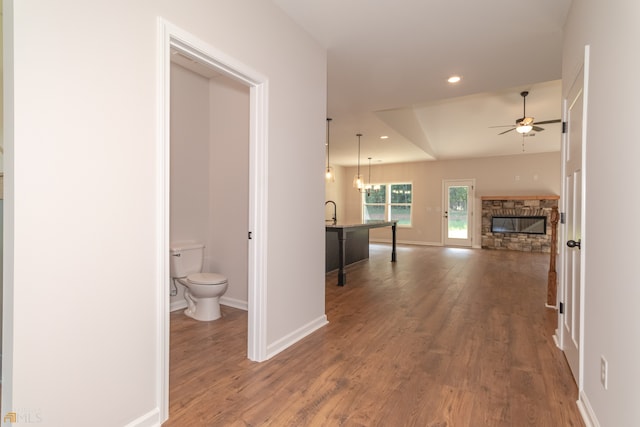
column 207, row 278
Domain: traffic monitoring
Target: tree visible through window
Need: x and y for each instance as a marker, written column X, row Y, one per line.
column 391, row 202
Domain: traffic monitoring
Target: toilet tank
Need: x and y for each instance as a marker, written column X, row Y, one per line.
column 186, row 258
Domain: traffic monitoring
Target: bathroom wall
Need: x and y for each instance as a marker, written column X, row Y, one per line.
column 227, row 243
column 189, row 190
column 210, row 175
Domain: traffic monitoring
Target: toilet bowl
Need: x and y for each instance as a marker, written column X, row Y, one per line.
column 202, row 290
column 202, row 293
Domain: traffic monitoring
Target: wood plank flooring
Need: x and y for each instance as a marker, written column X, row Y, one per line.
column 445, row 337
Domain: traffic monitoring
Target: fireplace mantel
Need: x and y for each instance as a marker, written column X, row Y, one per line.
column 548, row 197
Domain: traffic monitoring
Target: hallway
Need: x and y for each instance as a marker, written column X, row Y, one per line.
column 444, row 337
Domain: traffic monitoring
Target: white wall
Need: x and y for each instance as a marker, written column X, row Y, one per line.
column 189, row 183
column 1, row 100
column 612, row 294
column 189, row 188
column 523, row 174
column 229, row 184
column 81, row 201
column 336, row 191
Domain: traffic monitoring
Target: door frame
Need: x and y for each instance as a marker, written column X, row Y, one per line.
column 470, row 207
column 171, row 37
column 583, row 69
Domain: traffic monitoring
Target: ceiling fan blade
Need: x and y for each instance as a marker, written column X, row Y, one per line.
column 537, row 128
column 509, row 130
column 546, row 122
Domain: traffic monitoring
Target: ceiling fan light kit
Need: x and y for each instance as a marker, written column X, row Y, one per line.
column 522, row 128
column 526, row 124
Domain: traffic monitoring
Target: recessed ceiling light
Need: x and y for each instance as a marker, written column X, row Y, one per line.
column 384, row 137
column 454, row 79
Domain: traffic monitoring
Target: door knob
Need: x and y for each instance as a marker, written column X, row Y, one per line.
column 573, row 244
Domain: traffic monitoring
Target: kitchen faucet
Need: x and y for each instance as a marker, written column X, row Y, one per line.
column 335, row 217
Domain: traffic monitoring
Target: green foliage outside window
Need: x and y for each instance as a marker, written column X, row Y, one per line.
column 391, row 202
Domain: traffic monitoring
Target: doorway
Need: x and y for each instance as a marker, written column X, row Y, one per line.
column 173, row 39
column 458, row 211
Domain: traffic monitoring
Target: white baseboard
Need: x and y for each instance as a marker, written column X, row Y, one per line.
column 231, row 302
column 413, row 242
column 150, row 419
column 405, row 242
column 177, row 305
column 295, row 336
column 588, row 416
column 556, row 341
column 235, row 303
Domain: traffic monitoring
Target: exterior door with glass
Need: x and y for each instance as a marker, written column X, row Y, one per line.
column 458, row 212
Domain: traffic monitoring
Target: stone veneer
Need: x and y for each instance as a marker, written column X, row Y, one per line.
column 517, row 206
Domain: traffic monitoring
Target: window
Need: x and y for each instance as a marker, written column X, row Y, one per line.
column 390, row 202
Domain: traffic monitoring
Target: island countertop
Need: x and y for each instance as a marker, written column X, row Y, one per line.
column 356, row 226
column 359, row 233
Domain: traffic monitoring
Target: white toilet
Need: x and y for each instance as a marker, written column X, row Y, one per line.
column 203, row 290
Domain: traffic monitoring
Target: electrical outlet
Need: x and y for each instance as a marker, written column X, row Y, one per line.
column 604, row 371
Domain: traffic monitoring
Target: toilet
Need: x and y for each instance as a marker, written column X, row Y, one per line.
column 202, row 290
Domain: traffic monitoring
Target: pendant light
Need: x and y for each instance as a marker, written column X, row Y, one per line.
column 358, row 181
column 370, row 187
column 329, row 176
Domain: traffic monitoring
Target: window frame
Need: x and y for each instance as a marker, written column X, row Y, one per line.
column 387, row 203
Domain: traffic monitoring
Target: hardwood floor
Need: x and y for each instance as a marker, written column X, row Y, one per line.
column 444, row 337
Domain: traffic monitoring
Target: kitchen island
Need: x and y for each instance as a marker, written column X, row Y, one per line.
column 349, row 243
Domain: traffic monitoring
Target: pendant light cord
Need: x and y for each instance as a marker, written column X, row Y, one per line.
column 359, row 135
column 328, row 123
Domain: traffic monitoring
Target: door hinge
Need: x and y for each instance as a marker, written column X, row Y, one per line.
column 561, row 217
column 564, row 127
column 561, row 308
column 250, row 237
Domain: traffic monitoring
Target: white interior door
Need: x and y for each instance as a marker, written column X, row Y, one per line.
column 572, row 288
column 458, row 212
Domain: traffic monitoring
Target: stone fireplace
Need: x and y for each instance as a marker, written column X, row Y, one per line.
column 517, row 223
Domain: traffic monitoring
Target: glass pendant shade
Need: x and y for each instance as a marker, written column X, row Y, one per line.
column 329, row 176
column 358, row 180
column 369, row 188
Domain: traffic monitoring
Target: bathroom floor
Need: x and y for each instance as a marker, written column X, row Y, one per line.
column 445, row 336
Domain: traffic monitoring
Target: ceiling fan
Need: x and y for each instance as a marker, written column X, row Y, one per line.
column 526, row 124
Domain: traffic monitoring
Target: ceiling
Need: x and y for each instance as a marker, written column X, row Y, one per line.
column 388, row 64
